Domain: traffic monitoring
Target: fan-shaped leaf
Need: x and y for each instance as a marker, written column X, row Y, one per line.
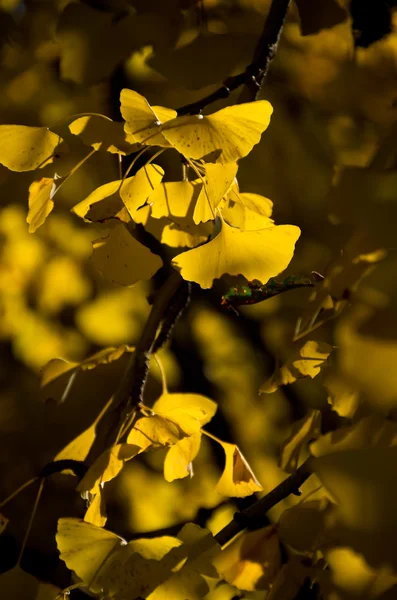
column 238, row 479
column 142, row 120
column 26, row 148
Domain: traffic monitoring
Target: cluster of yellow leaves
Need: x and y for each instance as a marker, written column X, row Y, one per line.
column 241, row 237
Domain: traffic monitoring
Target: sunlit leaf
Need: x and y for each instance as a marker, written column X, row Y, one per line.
column 343, row 396
column 40, row 202
column 218, row 180
column 142, row 120
column 177, row 464
column 104, row 134
column 247, row 211
column 254, row 254
column 306, row 362
column 302, row 432
column 108, row 195
column 20, row 585
column 238, row 479
column 85, row 548
column 189, row 412
column 135, row 191
column 122, row 259
column 26, row 148
column 232, row 131
column 153, row 431
column 173, row 198
column 252, row 561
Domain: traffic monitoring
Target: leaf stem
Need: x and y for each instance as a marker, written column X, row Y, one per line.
column 18, row 491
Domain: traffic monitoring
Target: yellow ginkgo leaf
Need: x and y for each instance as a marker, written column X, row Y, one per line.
column 40, row 202
column 26, row 148
column 226, row 135
column 247, row 211
column 252, row 561
column 104, row 134
column 178, row 462
column 122, row 259
column 255, row 254
column 308, row 361
column 107, row 195
column 86, row 549
column 153, row 431
column 188, row 411
column 106, row 467
column 238, row 479
column 20, row 585
column 142, row 120
column 302, row 432
column 173, row 198
column 135, row 191
column 218, row 180
column 3, row 523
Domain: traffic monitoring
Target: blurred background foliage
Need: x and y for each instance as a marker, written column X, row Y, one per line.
column 334, row 102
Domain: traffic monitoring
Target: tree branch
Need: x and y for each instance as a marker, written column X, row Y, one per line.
column 253, row 516
column 255, row 73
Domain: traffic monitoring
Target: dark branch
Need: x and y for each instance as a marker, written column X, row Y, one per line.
column 255, row 73
column 253, row 516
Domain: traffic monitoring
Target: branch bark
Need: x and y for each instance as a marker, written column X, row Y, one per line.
column 253, row 516
column 254, row 73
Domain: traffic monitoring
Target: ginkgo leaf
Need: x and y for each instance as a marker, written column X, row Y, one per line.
column 142, row 120
column 188, row 411
column 104, row 134
column 26, row 148
column 40, row 202
column 86, row 548
column 252, row 561
column 178, row 462
column 107, row 194
column 218, row 180
column 106, row 467
column 302, row 432
column 303, row 526
column 153, row 431
column 137, row 189
column 247, row 211
column 343, row 396
column 232, row 131
column 122, row 259
column 173, row 198
column 308, row 361
column 255, row 254
column 238, row 479
column 19, row 585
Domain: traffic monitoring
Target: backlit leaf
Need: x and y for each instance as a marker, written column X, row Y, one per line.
column 231, row 132
column 142, row 120
column 86, row 548
column 20, row 585
column 173, row 198
column 308, row 361
column 189, row 412
column 255, row 254
column 238, row 479
column 218, row 179
column 177, row 464
column 247, row 211
column 26, row 148
column 122, row 259
column 135, row 191
column 153, row 431
column 252, row 561
column 109, row 198
column 104, row 134
column 302, row 432
column 40, row 202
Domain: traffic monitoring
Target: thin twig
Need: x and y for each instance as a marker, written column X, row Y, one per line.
column 253, row 517
column 255, row 73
